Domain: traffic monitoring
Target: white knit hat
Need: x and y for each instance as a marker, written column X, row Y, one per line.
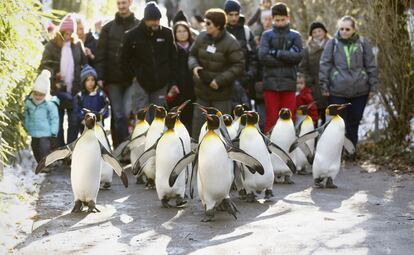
column 42, row 82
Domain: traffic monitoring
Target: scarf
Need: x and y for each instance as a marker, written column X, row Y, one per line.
column 67, row 66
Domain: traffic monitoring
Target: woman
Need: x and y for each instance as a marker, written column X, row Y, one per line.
column 216, row 60
column 185, row 89
column 64, row 57
column 318, row 37
column 348, row 73
column 88, row 40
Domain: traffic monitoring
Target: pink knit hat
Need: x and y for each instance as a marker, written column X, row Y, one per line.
column 68, row 23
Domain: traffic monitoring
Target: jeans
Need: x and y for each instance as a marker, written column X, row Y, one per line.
column 352, row 115
column 224, row 106
column 41, row 147
column 122, row 104
column 144, row 98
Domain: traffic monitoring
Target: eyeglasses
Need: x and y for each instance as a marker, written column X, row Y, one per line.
column 345, row 29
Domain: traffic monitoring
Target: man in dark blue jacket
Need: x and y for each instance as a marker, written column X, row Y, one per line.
column 280, row 52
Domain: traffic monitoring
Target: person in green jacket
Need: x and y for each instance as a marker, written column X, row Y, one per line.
column 216, row 60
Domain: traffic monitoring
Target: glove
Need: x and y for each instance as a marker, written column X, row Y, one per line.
column 273, row 52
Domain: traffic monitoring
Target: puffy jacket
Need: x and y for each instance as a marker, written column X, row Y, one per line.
column 96, row 101
column 347, row 67
column 51, row 61
column 305, row 98
column 280, row 71
column 150, row 56
column 107, row 58
column 225, row 65
column 41, row 120
column 310, row 68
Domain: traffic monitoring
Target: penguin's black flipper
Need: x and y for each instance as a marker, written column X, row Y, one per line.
column 310, row 135
column 241, row 156
column 106, row 138
column 180, row 166
column 114, row 163
column 349, row 146
column 118, row 150
column 136, row 142
column 275, row 149
column 58, row 154
column 193, row 173
column 143, row 159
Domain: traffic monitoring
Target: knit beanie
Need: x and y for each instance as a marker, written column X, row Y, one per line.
column 42, row 82
column 180, row 16
column 232, row 6
column 67, row 23
column 152, row 11
column 316, row 25
column 87, row 71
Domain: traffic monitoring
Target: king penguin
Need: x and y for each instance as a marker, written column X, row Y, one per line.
column 87, row 155
column 283, row 134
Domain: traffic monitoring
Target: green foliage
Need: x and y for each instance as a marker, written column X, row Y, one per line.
column 20, row 52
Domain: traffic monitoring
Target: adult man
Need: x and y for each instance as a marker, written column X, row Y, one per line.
column 235, row 26
column 149, row 54
column 119, row 87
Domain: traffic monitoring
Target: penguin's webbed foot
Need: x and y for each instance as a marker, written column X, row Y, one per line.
column 78, row 207
column 164, row 203
column 303, row 172
column 209, row 216
column 150, row 184
column 92, row 207
column 230, row 207
column 140, row 180
column 288, row 180
column 251, row 198
column 330, row 184
column 106, row 185
column 180, row 202
column 268, row 194
column 317, row 183
column 242, row 194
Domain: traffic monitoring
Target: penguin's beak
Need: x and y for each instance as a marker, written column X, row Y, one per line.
column 311, row 104
column 146, row 108
column 202, row 108
column 344, row 106
column 183, row 105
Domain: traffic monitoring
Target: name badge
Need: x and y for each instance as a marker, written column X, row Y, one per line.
column 160, row 40
column 211, row 49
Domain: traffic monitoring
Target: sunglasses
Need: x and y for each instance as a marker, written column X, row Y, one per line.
column 345, row 29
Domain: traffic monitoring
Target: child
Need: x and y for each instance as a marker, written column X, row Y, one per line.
column 304, row 97
column 264, row 5
column 91, row 97
column 280, row 52
column 41, row 116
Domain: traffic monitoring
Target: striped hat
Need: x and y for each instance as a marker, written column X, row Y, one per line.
column 67, row 23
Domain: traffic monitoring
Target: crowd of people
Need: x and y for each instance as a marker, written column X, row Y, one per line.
column 219, row 62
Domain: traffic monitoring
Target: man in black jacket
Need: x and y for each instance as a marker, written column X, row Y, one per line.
column 235, row 26
column 149, row 54
column 107, row 63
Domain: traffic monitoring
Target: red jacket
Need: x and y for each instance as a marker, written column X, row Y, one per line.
column 305, row 98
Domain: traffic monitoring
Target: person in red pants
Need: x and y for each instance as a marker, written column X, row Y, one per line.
column 304, row 97
column 280, row 52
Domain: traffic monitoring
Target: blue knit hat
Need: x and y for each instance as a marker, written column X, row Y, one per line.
column 232, row 6
column 152, row 11
column 87, row 71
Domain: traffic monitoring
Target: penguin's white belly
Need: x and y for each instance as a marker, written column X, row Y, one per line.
column 215, row 172
column 252, row 143
column 86, row 168
column 169, row 152
column 327, row 160
column 282, row 135
column 152, row 136
column 106, row 172
column 232, row 132
column 299, row 157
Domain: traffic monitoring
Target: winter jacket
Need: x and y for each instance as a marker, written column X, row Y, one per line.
column 225, row 65
column 150, row 56
column 184, row 76
column 90, row 43
column 347, row 67
column 279, row 71
column 51, row 61
column 305, row 98
column 310, row 68
column 107, row 58
column 97, row 102
column 41, row 120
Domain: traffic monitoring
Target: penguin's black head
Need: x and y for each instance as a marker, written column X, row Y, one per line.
column 170, row 120
column 336, row 109
column 285, row 114
column 243, row 120
column 90, row 120
column 252, row 117
column 142, row 114
column 160, row 112
column 209, row 110
column 302, row 110
column 213, row 121
column 240, row 109
column 228, row 119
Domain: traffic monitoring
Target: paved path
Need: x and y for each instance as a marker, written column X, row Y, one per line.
column 370, row 213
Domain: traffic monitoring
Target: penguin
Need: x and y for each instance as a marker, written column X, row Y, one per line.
column 169, row 150
column 238, row 111
column 228, row 122
column 154, row 133
column 283, row 134
column 107, row 172
column 87, row 154
column 256, row 144
column 303, row 126
column 221, row 131
column 332, row 140
column 213, row 163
